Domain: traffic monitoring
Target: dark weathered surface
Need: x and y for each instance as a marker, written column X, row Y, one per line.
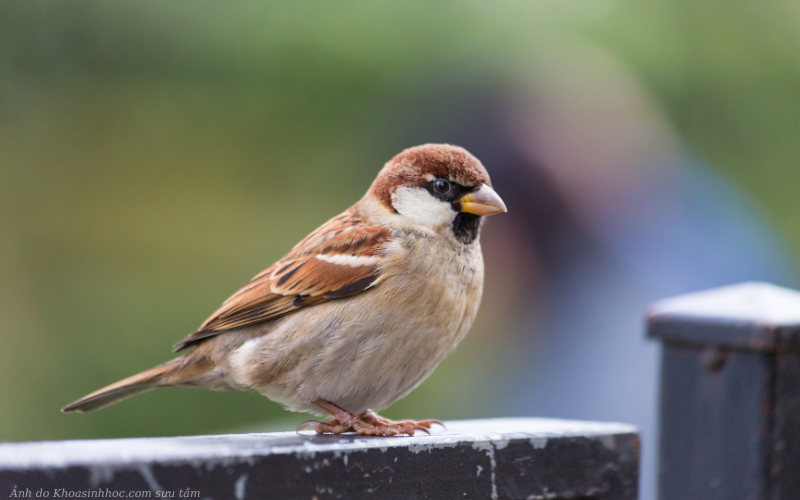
column 785, row 463
column 505, row 459
column 730, row 393
column 751, row 316
column 713, row 430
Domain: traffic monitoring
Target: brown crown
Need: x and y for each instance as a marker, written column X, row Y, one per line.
column 413, row 166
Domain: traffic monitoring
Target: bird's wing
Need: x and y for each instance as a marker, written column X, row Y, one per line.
column 339, row 259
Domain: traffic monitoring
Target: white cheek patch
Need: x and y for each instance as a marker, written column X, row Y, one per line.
column 422, row 208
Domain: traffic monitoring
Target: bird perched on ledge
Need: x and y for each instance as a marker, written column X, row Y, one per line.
column 360, row 312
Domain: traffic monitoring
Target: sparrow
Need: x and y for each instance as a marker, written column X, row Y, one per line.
column 360, row 312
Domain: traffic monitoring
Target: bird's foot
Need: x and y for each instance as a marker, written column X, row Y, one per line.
column 371, row 417
column 367, row 423
column 332, row 426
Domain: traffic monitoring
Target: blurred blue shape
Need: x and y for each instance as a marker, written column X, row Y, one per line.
column 684, row 228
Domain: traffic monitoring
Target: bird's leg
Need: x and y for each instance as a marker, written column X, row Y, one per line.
column 371, row 417
column 344, row 421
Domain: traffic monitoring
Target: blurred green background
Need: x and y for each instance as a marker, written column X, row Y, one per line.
column 156, row 155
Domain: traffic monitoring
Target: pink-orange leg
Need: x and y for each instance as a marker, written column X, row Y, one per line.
column 370, row 424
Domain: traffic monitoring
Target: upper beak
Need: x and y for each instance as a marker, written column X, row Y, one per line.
column 482, row 202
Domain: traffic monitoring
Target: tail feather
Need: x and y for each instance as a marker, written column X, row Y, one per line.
column 141, row 382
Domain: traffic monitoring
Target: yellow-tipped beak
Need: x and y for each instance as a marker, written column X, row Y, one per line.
column 482, row 202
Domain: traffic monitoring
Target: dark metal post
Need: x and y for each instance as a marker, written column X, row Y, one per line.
column 730, row 393
column 501, row 459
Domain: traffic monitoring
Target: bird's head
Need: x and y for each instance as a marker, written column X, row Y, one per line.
column 437, row 187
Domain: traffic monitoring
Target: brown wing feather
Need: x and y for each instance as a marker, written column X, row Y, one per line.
column 339, row 259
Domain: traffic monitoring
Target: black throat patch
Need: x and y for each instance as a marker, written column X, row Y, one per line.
column 466, row 227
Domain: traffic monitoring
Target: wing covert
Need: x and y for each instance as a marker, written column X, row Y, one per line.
column 339, row 259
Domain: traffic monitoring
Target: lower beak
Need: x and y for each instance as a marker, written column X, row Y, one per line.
column 482, row 202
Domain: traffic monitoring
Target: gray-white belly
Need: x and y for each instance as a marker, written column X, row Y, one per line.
column 369, row 350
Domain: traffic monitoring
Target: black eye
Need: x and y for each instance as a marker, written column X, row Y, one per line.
column 441, row 185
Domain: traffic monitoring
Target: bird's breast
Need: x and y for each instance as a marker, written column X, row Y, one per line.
column 370, row 349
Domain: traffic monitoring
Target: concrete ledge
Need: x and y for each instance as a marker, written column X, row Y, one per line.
column 500, row 458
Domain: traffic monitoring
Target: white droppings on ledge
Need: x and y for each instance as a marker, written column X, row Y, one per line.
column 239, row 487
column 539, row 443
column 500, row 444
column 489, row 448
column 608, row 441
column 150, row 478
column 99, row 475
